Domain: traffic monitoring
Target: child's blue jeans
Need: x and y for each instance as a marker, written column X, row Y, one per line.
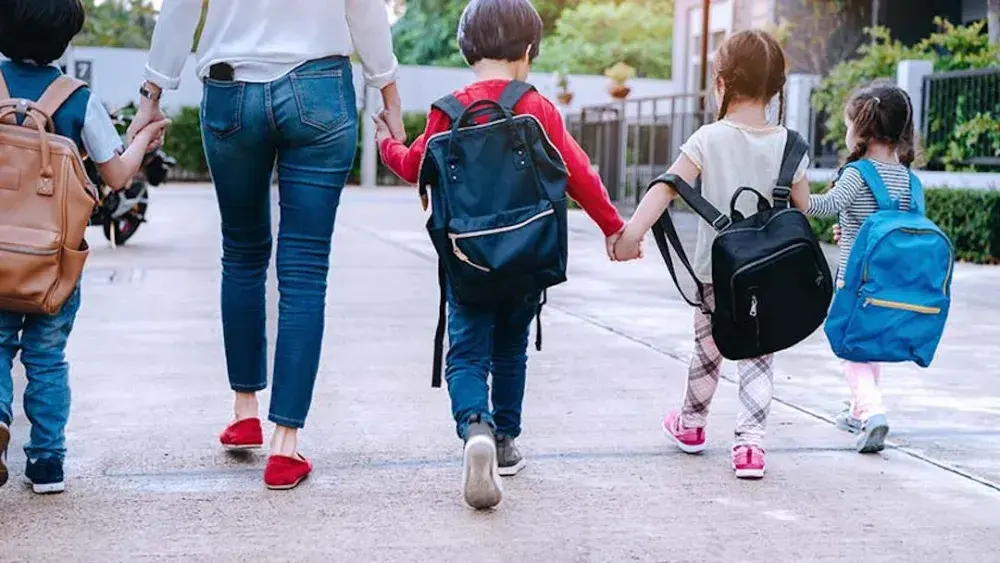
column 482, row 341
column 41, row 340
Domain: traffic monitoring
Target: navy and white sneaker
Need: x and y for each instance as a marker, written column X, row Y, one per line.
column 45, row 475
column 4, row 442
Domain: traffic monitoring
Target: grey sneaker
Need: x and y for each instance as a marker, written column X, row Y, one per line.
column 510, row 460
column 872, row 436
column 4, row 442
column 480, row 476
column 846, row 421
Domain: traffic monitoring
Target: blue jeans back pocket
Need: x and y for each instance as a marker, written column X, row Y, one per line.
column 319, row 97
column 222, row 107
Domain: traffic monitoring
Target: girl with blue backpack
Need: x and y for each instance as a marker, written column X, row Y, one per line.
column 894, row 276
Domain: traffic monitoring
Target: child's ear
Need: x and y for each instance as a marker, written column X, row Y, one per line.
column 527, row 53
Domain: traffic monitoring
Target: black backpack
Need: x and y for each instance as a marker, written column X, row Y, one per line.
column 772, row 283
column 498, row 206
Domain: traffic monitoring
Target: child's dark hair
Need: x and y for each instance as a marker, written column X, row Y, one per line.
column 751, row 64
column 499, row 30
column 38, row 31
column 882, row 112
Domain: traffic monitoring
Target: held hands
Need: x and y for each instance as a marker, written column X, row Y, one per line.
column 629, row 246
column 836, row 234
column 151, row 135
column 382, row 130
column 148, row 113
column 625, row 245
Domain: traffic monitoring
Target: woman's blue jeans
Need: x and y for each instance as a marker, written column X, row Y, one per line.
column 305, row 122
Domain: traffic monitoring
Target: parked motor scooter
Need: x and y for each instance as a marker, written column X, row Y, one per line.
column 120, row 213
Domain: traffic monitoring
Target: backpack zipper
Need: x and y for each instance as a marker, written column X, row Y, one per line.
column 758, row 262
column 455, row 237
column 25, row 250
column 902, row 306
column 951, row 254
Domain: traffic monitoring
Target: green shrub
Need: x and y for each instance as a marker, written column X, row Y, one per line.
column 971, row 218
column 184, row 141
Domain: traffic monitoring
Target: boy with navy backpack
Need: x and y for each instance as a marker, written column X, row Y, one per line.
column 894, row 279
column 499, row 163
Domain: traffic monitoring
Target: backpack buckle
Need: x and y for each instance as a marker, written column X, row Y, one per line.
column 722, row 223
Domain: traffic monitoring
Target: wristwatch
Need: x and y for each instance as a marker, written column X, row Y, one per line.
column 149, row 94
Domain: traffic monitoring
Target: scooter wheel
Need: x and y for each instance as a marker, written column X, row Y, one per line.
column 122, row 230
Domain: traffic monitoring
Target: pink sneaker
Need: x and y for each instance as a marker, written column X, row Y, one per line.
column 689, row 440
column 748, row 462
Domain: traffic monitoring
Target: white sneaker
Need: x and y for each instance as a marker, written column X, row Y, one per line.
column 480, row 476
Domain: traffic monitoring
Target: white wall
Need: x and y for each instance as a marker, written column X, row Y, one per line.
column 117, row 73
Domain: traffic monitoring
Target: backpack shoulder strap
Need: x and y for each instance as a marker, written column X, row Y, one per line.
column 874, row 182
column 513, row 93
column 917, row 204
column 795, row 148
column 451, row 106
column 4, row 92
column 57, row 93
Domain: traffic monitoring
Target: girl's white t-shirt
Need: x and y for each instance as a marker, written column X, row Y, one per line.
column 730, row 156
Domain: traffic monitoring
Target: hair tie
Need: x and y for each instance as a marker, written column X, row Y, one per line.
column 877, row 100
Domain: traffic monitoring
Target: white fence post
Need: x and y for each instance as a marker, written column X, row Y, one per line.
column 799, row 89
column 910, row 77
column 369, row 152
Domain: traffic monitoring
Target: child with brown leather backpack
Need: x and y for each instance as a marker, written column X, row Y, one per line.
column 46, row 121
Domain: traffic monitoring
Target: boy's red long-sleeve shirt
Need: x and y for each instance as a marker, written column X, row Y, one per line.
column 584, row 185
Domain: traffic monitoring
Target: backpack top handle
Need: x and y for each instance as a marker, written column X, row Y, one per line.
column 26, row 108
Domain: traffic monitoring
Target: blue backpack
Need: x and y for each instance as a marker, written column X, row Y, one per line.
column 498, row 207
column 897, row 287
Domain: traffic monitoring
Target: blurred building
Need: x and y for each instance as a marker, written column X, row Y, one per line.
column 817, row 33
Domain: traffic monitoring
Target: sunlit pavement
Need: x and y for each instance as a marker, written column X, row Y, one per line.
column 147, row 480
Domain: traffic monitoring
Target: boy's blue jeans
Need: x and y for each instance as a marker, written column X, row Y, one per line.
column 307, row 123
column 482, row 341
column 41, row 340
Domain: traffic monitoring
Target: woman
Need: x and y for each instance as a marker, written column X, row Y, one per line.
column 277, row 89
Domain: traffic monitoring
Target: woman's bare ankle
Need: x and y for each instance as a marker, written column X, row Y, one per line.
column 285, row 441
column 245, row 406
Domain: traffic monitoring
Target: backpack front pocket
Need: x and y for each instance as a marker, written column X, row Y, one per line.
column 896, row 328
column 29, row 267
column 510, row 242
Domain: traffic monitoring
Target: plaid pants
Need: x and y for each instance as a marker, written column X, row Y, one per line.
column 756, row 383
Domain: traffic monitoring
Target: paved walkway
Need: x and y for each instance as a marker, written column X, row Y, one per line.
column 148, row 482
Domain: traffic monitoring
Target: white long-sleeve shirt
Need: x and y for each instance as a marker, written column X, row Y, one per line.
column 265, row 39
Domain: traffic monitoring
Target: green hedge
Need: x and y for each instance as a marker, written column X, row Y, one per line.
column 184, row 144
column 971, row 218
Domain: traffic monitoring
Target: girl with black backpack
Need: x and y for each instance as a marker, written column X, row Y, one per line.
column 740, row 149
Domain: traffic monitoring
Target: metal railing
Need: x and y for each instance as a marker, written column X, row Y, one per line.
column 633, row 141
column 822, row 154
column 952, row 98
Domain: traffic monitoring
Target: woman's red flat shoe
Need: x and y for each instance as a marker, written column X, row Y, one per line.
column 245, row 434
column 286, row 472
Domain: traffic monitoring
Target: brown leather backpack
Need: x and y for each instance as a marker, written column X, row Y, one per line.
column 46, row 200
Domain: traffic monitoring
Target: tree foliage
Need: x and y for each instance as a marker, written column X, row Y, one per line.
column 118, row 23
column 950, row 48
column 580, row 36
column 593, row 36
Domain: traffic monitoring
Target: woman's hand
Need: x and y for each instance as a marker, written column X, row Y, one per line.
column 148, row 112
column 392, row 115
column 836, row 233
column 382, row 131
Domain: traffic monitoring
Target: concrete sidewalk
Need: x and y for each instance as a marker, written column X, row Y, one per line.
column 147, row 481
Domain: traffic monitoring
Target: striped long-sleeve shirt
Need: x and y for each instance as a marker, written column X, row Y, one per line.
column 852, row 201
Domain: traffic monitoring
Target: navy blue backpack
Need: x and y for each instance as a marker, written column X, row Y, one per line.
column 897, row 286
column 498, row 206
